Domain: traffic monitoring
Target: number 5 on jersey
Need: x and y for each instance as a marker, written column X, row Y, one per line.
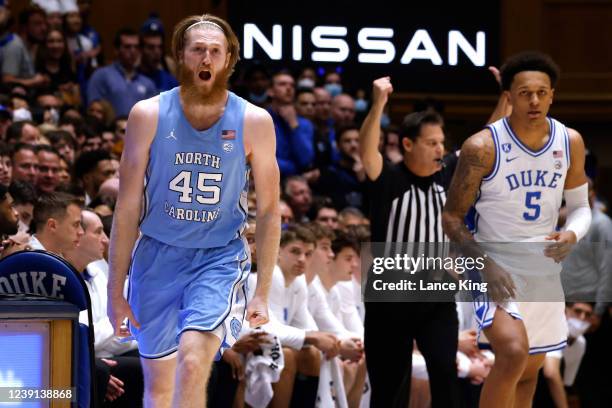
column 182, row 184
column 531, row 203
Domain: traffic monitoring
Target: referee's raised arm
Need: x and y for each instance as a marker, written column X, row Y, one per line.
column 369, row 134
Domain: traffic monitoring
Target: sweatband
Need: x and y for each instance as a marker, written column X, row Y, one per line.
column 578, row 210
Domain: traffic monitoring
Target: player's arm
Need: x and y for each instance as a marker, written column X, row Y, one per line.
column 369, row 134
column 576, row 195
column 476, row 161
column 260, row 144
column 141, row 128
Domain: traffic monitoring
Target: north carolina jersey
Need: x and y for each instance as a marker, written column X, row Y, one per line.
column 520, row 199
column 196, row 182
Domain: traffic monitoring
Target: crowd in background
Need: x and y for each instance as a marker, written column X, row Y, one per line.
column 63, row 116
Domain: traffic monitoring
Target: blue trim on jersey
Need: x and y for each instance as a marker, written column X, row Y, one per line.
column 546, row 349
column 497, row 154
column 159, row 355
column 567, row 146
column 525, row 148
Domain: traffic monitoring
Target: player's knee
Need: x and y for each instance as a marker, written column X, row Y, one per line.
column 513, row 355
column 289, row 355
column 192, row 366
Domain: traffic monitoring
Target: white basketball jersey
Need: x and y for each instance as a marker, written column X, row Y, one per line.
column 520, row 199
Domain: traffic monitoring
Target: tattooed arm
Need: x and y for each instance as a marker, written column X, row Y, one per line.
column 475, row 162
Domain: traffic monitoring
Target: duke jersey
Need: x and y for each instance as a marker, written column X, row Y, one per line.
column 196, row 182
column 520, row 199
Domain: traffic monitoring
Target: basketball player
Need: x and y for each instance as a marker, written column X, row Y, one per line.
column 185, row 166
column 516, row 173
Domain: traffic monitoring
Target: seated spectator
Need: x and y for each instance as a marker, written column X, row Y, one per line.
column 578, row 320
column 8, row 224
column 24, row 198
column 24, row 131
column 286, row 214
column 55, row 61
column 344, row 181
column 49, row 168
column 294, row 134
column 102, row 111
column 258, row 82
column 305, row 104
column 57, row 223
column 25, row 163
column 91, row 169
column 118, row 363
column 49, row 105
column 6, row 165
column 325, row 213
column 351, row 216
column 120, row 83
column 299, row 197
column 343, row 110
column 64, row 143
column 152, row 63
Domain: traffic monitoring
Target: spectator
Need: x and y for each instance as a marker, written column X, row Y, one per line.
column 343, row 110
column 305, row 104
column 91, row 138
column 91, row 169
column 286, row 214
column 48, row 169
column 299, row 197
column 64, row 143
column 24, row 131
column 325, row 213
column 80, row 46
column 351, row 216
column 20, row 50
column 55, row 61
column 307, row 79
column 152, row 63
column 57, row 223
column 344, row 182
column 325, row 136
column 258, row 82
column 6, row 166
column 102, row 111
column 120, row 83
column 333, row 83
column 25, row 163
column 24, row 196
column 6, row 119
column 88, row 30
column 50, row 105
column 8, row 224
column 294, row 134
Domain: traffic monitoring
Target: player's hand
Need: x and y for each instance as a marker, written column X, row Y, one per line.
column 564, row 241
column 327, row 343
column 351, row 350
column 381, row 89
column 118, row 310
column 500, row 284
column 257, row 312
column 250, row 342
column 468, row 344
column 10, row 246
column 235, row 361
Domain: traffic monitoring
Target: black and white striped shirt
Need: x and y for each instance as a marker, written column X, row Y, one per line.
column 407, row 208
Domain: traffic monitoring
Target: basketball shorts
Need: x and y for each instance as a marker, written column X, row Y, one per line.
column 174, row 289
column 544, row 321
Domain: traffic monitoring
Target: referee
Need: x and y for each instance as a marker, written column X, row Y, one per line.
column 406, row 206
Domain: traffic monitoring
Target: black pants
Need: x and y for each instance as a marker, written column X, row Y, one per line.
column 128, row 370
column 390, row 329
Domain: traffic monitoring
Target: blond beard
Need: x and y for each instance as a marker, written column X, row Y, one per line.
column 195, row 95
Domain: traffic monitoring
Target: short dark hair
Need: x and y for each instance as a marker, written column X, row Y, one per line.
column 13, row 132
column 88, row 161
column 23, row 192
column 126, row 31
column 28, row 12
column 46, row 148
column 413, row 123
column 5, row 150
column 53, row 205
column 344, row 240
column 320, row 202
column 343, row 129
column 23, row 146
column 57, row 136
column 297, row 233
column 528, row 61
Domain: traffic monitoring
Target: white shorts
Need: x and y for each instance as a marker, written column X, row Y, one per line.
column 545, row 322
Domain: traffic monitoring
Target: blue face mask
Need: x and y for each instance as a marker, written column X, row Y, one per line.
column 333, row 89
column 258, row 99
column 384, row 120
column 361, row 105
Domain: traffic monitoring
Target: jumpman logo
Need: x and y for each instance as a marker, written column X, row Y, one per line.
column 171, row 135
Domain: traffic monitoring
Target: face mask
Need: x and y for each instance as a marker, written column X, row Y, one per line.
column 577, row 327
column 384, row 120
column 53, row 116
column 258, row 99
column 22, row 227
column 305, row 83
column 21, row 114
column 361, row 105
column 333, row 89
column 284, row 226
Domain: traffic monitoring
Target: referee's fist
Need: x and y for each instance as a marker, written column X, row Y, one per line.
column 381, row 90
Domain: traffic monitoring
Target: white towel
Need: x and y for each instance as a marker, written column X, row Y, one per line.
column 263, row 369
column 331, row 392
